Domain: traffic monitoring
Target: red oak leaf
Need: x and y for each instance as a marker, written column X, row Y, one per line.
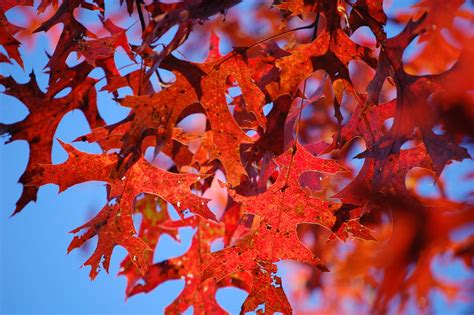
column 116, row 216
column 38, row 128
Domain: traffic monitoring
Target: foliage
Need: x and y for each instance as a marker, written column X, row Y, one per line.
column 284, row 110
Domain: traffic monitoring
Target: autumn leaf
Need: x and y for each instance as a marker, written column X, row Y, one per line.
column 39, row 126
column 116, row 217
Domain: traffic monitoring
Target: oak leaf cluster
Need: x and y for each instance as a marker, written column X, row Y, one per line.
column 270, row 127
